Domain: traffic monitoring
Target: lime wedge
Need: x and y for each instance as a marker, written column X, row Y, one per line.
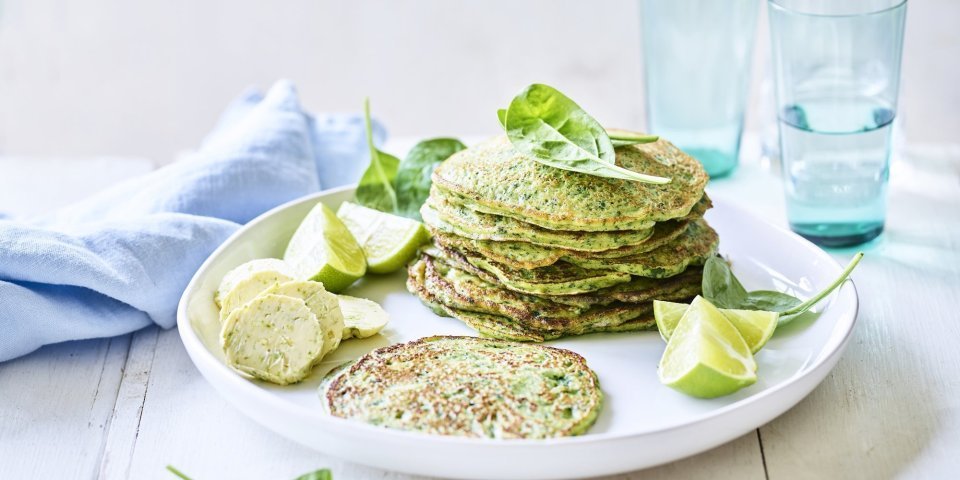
column 667, row 315
column 755, row 326
column 388, row 241
column 323, row 250
column 706, row 356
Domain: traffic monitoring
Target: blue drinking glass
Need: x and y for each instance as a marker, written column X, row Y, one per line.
column 837, row 69
column 697, row 63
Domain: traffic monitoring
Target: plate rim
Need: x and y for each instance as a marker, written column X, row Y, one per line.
column 198, row 352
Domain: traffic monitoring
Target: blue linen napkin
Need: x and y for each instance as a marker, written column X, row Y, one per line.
column 119, row 261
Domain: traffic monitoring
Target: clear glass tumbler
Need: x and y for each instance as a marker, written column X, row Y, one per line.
column 837, row 69
column 697, row 63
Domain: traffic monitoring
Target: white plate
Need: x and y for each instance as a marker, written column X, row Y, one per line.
column 642, row 423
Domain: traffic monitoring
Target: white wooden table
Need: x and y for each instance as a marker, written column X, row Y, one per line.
column 125, row 407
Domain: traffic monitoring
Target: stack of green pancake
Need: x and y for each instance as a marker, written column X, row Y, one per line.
column 525, row 251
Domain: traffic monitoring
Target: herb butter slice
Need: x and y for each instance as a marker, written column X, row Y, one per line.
column 362, row 318
column 274, row 338
column 322, row 303
column 248, row 288
column 238, row 274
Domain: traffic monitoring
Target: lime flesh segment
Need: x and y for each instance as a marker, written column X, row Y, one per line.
column 388, row 241
column 667, row 315
column 706, row 356
column 756, row 326
column 323, row 250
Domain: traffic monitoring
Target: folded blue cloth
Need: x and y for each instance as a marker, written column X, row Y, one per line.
column 119, row 261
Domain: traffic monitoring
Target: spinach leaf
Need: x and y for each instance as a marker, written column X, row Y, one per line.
column 618, row 138
column 178, row 473
column 549, row 124
column 375, row 189
column 770, row 301
column 553, row 130
column 621, row 138
column 413, row 177
column 322, row 474
column 396, row 187
column 720, row 286
column 787, row 315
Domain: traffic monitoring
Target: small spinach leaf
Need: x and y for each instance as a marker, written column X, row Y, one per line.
column 720, row 286
column 548, row 124
column 553, row 130
column 770, row 301
column 413, row 177
column 322, row 474
column 178, row 473
column 787, row 315
column 375, row 189
column 621, row 138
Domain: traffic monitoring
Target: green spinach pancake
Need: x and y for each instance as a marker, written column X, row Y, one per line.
column 528, row 252
column 578, row 275
column 493, row 177
column 519, row 254
column 469, row 387
column 460, row 294
column 440, row 215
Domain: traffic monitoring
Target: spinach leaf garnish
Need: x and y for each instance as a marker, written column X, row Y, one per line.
column 618, row 138
column 624, row 139
column 322, row 474
column 722, row 288
column 396, row 187
column 553, row 130
column 544, row 122
column 178, row 473
column 789, row 314
column 770, row 301
column 375, row 189
column 412, row 183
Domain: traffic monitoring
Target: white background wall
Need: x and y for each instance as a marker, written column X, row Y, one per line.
column 148, row 78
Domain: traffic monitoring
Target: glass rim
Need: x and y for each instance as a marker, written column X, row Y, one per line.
column 778, row 4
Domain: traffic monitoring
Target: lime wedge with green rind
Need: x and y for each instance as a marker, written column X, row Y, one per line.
column 323, row 250
column 667, row 315
column 756, row 326
column 706, row 356
column 388, row 241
